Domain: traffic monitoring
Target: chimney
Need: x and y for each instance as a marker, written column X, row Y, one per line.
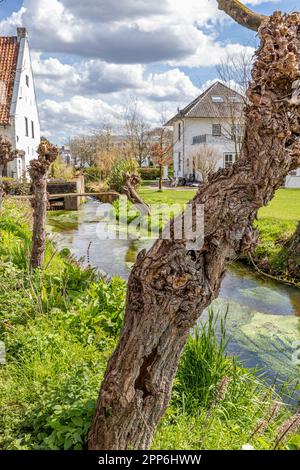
column 22, row 33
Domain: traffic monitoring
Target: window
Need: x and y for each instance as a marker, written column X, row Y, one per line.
column 32, row 129
column 234, row 99
column 199, row 139
column 179, row 131
column 26, row 127
column 179, row 161
column 217, row 99
column 216, row 130
column 228, row 159
column 27, row 80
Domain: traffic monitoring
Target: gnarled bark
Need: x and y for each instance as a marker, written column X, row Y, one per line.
column 241, row 14
column 38, row 171
column 169, row 286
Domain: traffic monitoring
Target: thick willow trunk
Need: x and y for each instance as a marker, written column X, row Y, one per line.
column 40, row 203
column 169, row 286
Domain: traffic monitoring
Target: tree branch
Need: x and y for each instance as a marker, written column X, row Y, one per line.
column 241, row 14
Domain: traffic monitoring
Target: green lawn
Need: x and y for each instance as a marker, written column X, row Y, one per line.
column 284, row 206
column 276, row 223
column 168, row 196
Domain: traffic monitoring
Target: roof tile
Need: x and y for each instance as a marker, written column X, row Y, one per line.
column 9, row 49
column 204, row 106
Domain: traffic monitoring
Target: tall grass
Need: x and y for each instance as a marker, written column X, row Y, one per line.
column 203, row 364
column 216, row 402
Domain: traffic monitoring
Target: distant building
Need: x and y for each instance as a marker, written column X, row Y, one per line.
column 65, row 153
column 214, row 119
column 293, row 179
column 19, row 121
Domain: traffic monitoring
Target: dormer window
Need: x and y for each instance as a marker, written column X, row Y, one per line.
column 217, row 99
column 234, row 99
column 27, row 80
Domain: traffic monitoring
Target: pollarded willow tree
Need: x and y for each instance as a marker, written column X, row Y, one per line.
column 38, row 171
column 169, row 287
column 7, row 154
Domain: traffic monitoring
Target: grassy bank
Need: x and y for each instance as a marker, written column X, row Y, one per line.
column 276, row 224
column 59, row 327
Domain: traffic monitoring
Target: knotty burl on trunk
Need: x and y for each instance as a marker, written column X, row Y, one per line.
column 169, row 287
column 38, row 170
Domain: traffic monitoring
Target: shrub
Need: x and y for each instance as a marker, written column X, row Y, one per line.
column 119, row 169
column 15, row 187
column 92, row 174
column 61, row 169
column 149, row 173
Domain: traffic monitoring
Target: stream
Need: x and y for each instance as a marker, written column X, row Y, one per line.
column 262, row 315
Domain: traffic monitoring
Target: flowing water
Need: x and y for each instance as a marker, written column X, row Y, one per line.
column 262, row 315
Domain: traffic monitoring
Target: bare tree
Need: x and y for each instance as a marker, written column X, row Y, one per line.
column 235, row 70
column 170, row 285
column 83, row 149
column 7, row 154
column 206, row 161
column 38, row 171
column 137, row 134
column 106, row 152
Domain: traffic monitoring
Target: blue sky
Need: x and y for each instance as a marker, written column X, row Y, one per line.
column 93, row 59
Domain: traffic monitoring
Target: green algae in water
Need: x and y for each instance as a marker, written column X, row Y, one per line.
column 264, row 295
column 62, row 221
column 271, row 339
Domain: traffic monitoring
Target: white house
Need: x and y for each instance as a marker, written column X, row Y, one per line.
column 19, row 121
column 214, row 121
column 65, row 153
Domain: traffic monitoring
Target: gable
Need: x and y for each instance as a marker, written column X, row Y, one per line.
column 9, row 50
column 218, row 101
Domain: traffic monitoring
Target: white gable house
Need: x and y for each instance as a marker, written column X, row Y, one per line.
column 212, row 124
column 208, row 134
column 19, row 121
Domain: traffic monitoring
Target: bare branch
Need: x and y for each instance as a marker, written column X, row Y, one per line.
column 241, row 14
